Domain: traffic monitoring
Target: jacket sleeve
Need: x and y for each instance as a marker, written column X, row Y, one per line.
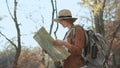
column 78, row 41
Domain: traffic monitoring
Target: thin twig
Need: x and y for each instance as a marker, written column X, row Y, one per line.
column 114, row 35
column 8, row 40
column 9, row 10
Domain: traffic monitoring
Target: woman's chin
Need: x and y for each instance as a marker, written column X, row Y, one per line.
column 65, row 27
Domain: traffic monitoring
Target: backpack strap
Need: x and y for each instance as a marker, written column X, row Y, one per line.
column 86, row 37
column 87, row 42
column 71, row 34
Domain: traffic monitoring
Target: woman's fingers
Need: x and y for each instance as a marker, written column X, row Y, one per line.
column 58, row 42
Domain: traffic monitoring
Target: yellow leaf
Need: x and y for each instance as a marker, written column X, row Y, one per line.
column 85, row 2
column 96, row 8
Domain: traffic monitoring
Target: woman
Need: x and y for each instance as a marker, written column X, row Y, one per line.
column 74, row 40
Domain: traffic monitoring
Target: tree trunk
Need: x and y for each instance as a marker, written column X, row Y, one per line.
column 99, row 23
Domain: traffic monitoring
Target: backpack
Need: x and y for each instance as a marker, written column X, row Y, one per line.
column 96, row 51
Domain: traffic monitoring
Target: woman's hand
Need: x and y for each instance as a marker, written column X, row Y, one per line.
column 58, row 42
column 61, row 43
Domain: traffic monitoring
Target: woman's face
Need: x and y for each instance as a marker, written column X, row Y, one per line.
column 64, row 23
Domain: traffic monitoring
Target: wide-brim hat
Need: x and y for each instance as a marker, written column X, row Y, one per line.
column 64, row 14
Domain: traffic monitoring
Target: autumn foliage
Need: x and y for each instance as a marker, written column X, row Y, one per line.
column 28, row 58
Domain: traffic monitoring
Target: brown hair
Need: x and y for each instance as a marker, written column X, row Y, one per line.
column 69, row 20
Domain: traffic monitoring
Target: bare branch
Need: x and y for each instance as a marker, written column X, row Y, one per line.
column 56, row 31
column 18, row 49
column 9, row 10
column 114, row 35
column 57, row 23
column 42, row 19
column 16, row 24
column 18, row 34
column 103, row 4
column 8, row 40
column 52, row 17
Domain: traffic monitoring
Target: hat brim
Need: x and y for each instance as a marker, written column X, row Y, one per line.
column 59, row 19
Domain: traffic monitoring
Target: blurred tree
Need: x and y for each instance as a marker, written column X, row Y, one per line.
column 54, row 12
column 30, row 58
column 18, row 45
column 97, row 9
column 107, row 13
column 7, row 58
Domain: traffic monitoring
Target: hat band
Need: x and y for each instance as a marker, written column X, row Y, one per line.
column 64, row 16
